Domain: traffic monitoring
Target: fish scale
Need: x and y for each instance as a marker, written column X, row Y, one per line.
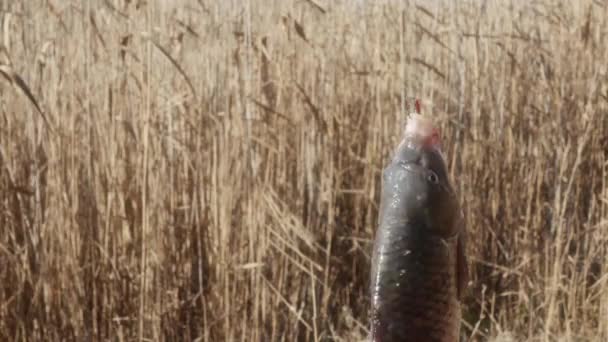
column 419, row 268
column 424, row 295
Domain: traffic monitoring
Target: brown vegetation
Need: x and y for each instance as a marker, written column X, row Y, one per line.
column 196, row 170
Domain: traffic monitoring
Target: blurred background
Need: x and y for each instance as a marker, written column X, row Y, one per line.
column 210, row 170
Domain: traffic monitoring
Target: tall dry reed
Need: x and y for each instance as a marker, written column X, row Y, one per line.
column 210, row 170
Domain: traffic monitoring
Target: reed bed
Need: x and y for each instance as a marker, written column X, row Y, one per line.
column 210, row 170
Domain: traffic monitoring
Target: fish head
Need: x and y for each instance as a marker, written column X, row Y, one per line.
column 417, row 181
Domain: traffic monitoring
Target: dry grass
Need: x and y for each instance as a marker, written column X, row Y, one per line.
column 190, row 187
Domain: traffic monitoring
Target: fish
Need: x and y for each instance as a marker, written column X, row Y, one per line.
column 419, row 269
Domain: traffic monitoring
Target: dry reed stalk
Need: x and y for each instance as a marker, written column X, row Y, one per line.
column 142, row 218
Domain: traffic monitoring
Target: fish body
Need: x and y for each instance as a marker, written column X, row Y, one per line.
column 418, row 264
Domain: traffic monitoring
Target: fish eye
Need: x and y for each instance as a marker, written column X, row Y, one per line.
column 432, row 177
